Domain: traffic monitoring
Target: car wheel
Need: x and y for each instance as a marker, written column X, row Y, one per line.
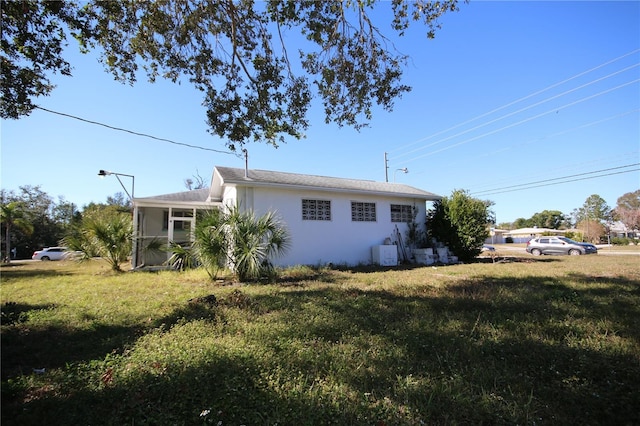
column 574, row 252
column 536, row 252
column 45, row 258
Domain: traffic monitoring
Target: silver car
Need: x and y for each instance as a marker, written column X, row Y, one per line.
column 559, row 245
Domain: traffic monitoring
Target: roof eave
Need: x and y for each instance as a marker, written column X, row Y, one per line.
column 432, row 197
column 166, row 203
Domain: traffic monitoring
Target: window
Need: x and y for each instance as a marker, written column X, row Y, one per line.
column 363, row 212
column 316, row 210
column 401, row 213
column 178, row 225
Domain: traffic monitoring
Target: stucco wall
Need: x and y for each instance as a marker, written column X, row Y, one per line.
column 338, row 241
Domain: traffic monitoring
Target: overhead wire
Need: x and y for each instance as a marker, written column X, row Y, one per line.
column 517, row 100
column 135, row 133
column 600, row 161
column 532, row 185
column 518, row 111
column 555, row 109
column 552, row 135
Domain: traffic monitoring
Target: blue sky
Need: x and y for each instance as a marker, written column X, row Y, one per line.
column 508, row 95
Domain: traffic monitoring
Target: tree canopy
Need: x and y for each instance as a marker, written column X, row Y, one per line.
column 628, row 209
column 238, row 53
column 595, row 208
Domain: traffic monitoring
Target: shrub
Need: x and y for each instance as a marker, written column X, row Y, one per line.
column 460, row 221
column 621, row 241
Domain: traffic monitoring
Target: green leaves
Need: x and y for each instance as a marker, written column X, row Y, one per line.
column 33, row 37
column 106, row 233
column 240, row 240
column 235, row 53
column 460, row 222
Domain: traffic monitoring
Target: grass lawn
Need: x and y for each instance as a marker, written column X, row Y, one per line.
column 523, row 340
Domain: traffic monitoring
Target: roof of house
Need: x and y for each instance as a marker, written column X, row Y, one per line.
column 536, row 231
column 230, row 175
column 236, row 176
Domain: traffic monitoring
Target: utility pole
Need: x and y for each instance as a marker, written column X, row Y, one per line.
column 386, row 168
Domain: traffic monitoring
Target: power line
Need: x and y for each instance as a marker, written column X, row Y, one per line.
column 524, row 120
column 520, row 110
column 136, row 133
column 549, row 182
column 517, row 112
column 517, row 101
column 577, row 167
column 552, row 135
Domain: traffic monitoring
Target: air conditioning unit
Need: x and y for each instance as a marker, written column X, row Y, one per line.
column 385, row 255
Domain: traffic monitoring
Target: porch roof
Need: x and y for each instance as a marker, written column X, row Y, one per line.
column 193, row 197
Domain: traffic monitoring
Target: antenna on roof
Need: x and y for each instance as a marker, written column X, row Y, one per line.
column 246, row 162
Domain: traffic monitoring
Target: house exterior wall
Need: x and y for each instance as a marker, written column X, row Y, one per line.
column 317, row 242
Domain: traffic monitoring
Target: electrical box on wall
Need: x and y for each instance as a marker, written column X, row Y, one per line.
column 385, row 255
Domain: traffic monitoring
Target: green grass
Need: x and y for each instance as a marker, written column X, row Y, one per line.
column 549, row 340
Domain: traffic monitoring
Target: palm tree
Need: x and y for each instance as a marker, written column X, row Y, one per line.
column 210, row 247
column 240, row 240
column 253, row 241
column 13, row 216
column 108, row 234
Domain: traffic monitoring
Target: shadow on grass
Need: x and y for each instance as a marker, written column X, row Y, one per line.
column 483, row 351
column 14, row 313
column 25, row 349
column 11, row 273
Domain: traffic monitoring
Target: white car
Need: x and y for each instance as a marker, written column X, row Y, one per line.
column 51, row 253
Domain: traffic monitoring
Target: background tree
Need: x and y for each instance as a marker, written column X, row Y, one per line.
column 197, row 182
column 118, row 199
column 595, row 209
column 233, row 52
column 13, row 217
column 627, row 210
column 591, row 230
column 521, row 223
column 592, row 217
column 38, row 209
column 460, row 221
column 552, row 219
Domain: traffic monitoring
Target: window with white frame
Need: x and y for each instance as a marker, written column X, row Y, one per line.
column 363, row 212
column 401, row 213
column 316, row 209
column 178, row 225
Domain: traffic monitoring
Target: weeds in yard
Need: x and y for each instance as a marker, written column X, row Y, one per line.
column 549, row 341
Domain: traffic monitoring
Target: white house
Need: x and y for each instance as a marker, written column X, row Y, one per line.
column 330, row 220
